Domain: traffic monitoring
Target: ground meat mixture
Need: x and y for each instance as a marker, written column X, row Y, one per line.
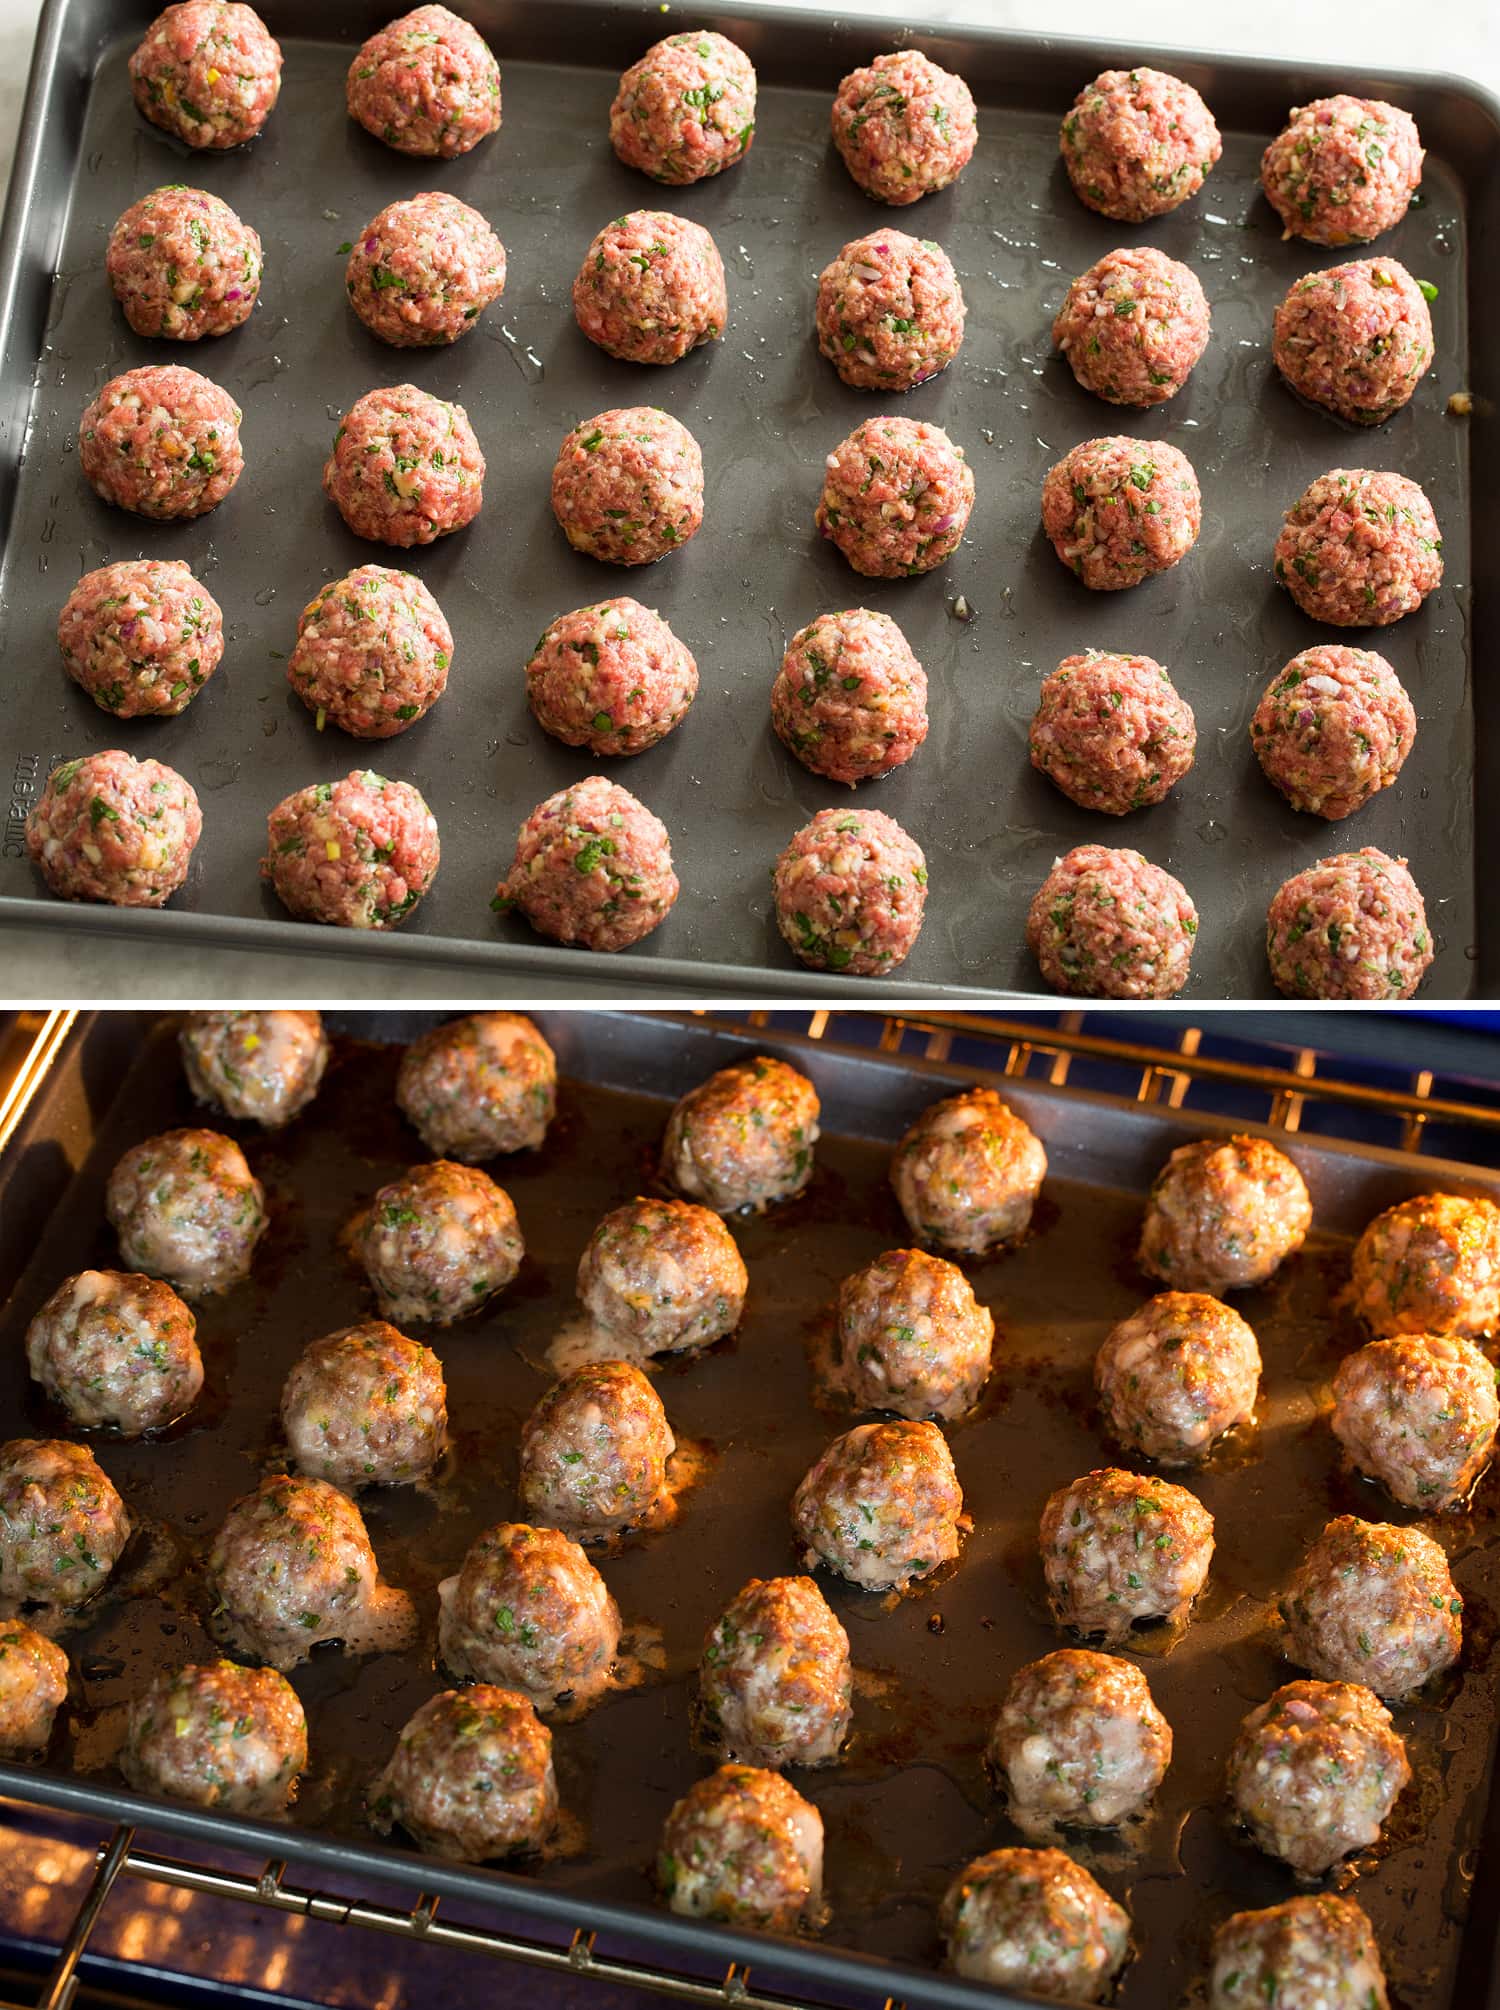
column 896, row 497
column 593, row 867
column 744, row 1847
column 1032, row 1919
column 1418, row 1415
column 183, row 265
column 62, row 1525
column 1356, row 338
column 850, row 700
column 471, row 1776
column 1342, row 169
column 1119, row 510
column 1108, row 924
column 109, row 827
column 365, row 1407
column 744, row 1138
column 1133, row 326
column 142, row 637
column 438, row 1243
column 373, row 653
column 1374, row 1604
column 261, row 1067
column 33, row 1688
column 911, row 1337
column 1112, row 731
column 775, row 1685
column 217, row 1736
column 1315, row 1771
column 1175, row 1376
column 528, row 1610
column 882, row 1507
column 849, row 892
column 686, row 109
column 405, row 467
column 1333, row 729
column 1312, row 1953
column 1079, row 1740
column 1118, row 1548
column 208, row 72
column 890, row 311
column 1136, row 143
column 427, row 84
column 423, row 271
column 967, row 1174
column 611, row 677
column 162, row 442
column 1351, row 926
column 116, row 1350
column 1430, row 1264
column 594, row 1453
column 359, row 853
column 651, row 288
column 904, row 127
column 628, row 485
column 1222, row 1217
column 186, row 1207
column 479, row 1086
column 662, row 1277
column 1358, row 549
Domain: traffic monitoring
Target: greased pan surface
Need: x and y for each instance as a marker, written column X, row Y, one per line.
column 767, row 410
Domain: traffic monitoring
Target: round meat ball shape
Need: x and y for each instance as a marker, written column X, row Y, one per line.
column 1352, row 926
column 1175, row 1376
column 216, row 1735
column 896, row 496
column 1373, row 1604
column 594, row 1453
column 186, row 1207
column 208, row 72
column 260, row 1067
column 438, row 1243
column 882, row 1507
column 651, row 288
column 1033, row 1919
column 1315, row 1771
column 527, row 1610
column 904, row 127
column 62, row 1524
column 427, row 84
column 1112, row 731
column 611, row 677
column 109, row 827
column 116, row 1350
column 1342, row 169
column 1137, row 143
column 405, row 468
column 1430, row 1265
column 1359, row 549
column 1333, row 729
column 471, row 1777
column 478, row 1086
column 592, row 867
column 775, row 1685
column 686, row 109
column 850, row 699
column 1223, row 1216
column 1079, row 1740
column 1355, row 338
column 662, row 1277
column 627, row 486
column 141, row 637
column 357, row 853
column 744, row 1138
column 967, row 1174
column 365, row 1407
column 1106, row 923
column 1133, row 327
column 161, row 441
column 183, row 265
column 744, row 1847
column 890, row 311
column 1118, row 511
column 849, row 893
column 911, row 1337
column 1312, row 1953
column 373, row 652
column 1119, row 1547
column 423, row 271
column 33, row 1688
column 1418, row 1415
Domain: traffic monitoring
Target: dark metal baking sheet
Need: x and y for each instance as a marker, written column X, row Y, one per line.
column 911, row 1805
column 766, row 410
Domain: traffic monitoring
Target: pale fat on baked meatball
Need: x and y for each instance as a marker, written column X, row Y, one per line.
column 1118, row 1548
column 1176, row 1375
column 117, row 1350
column 1312, row 1953
column 744, row 1847
column 1315, row 1771
column 527, row 1610
column 911, row 1337
column 1374, row 1604
column 261, row 1067
column 882, row 1507
column 62, row 1525
column 365, row 1407
column 1418, row 1414
column 662, row 1277
column 33, row 1688
column 1033, row 1919
column 471, row 1777
column 479, row 1086
column 1079, row 1740
column 217, row 1736
column 744, row 1138
column 187, row 1207
column 775, row 1684
column 967, row 1174
column 1222, row 1217
column 438, row 1243
column 1430, row 1264
column 594, row 1453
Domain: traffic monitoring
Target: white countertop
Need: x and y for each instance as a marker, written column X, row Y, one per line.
column 1458, row 36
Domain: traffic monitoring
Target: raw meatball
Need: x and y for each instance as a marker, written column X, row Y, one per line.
column 33, row 1688
column 471, row 1777
column 1418, row 1414
column 365, row 1407
column 593, row 866
column 628, row 485
column 62, row 1525
column 478, row 1086
column 850, row 699
column 896, row 497
column 849, row 891
column 775, row 1683
column 594, row 1453
column 1333, row 729
column 743, row 1846
column 967, row 1174
column 110, row 827
column 1342, row 169
column 1112, row 731
column 1137, row 143
column 1133, row 326
column 1175, row 1376
column 1430, row 1265
column 423, row 271
column 528, row 1610
column 1359, row 549
column 1119, row 510
column 904, row 126
column 161, row 441
column 358, row 853
column 116, row 1350
column 1079, row 1739
column 662, row 1277
column 186, row 1207
column 1356, row 338
column 372, row 653
column 183, row 265
column 426, row 84
column 912, row 1337
column 1222, row 1217
column 292, row 1567
column 1033, row 1919
column 262, row 1067
column 882, row 1506
column 651, row 288
column 890, row 311
column 217, row 1736
column 208, row 72
column 405, row 467
column 1351, row 926
column 1315, row 1771
column 1108, row 924
column 1118, row 1547
column 1374, row 1604
column 612, row 678
column 141, row 637
column 1312, row 1953
column 744, row 1138
column 686, row 109
column 437, row 1243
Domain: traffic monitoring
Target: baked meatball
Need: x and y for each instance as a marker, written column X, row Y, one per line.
column 373, row 653
column 1107, row 923
column 1118, row 1547
column 291, row 1567
column 849, row 892
column 356, row 853
column 142, row 637
column 1359, row 548
column 62, row 1525
column 1133, row 326
column 423, row 271
column 183, row 266
column 1175, row 1376
column 1079, row 1740
column 1355, row 338
column 882, row 1507
column 1312, row 1953
column 662, row 1277
column 528, row 1610
column 33, row 1688
column 890, row 311
column 208, row 72
column 904, row 126
column 1315, row 1771
column 1342, row 169
column 1430, row 1264
column 109, row 827
column 651, row 288
column 471, row 1777
column 479, row 1086
column 405, row 467
column 686, row 109
column 612, row 678
column 594, row 1453
column 438, row 1243
column 1374, row 1604
column 1033, row 1919
column 1112, row 731
column 743, row 1846
column 186, row 1207
column 217, row 1736
column 1222, row 1217
column 365, row 1407
column 161, row 441
column 260, row 1067
column 1333, row 729
column 627, row 486
column 775, row 1685
column 850, row 699
column 1136, row 143
column 744, row 1138
column 116, row 1350
column 967, row 1174
column 1351, row 926
column 592, row 866
column 427, row 84
column 1418, row 1414
column 912, row 1337
column 896, row 497
column 1118, row 510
